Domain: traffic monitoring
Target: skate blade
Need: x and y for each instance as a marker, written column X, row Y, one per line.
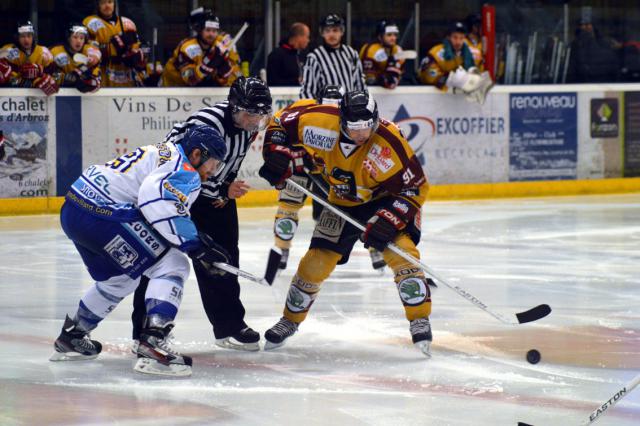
column 151, row 366
column 270, row 345
column 425, row 347
column 70, row 356
column 229, row 343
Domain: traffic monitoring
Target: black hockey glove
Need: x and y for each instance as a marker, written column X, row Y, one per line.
column 209, row 253
column 281, row 162
column 382, row 228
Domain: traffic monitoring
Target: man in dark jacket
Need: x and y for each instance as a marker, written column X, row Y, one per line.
column 593, row 57
column 283, row 63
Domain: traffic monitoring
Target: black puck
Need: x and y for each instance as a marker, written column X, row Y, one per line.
column 533, row 356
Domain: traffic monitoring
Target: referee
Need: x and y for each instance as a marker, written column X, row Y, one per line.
column 331, row 63
column 246, row 111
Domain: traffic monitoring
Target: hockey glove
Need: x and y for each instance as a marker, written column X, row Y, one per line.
column 382, row 228
column 208, row 253
column 31, row 71
column 47, row 84
column 5, row 71
column 87, row 83
column 281, row 162
column 135, row 59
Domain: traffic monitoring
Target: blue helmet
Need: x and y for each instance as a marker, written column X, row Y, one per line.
column 205, row 138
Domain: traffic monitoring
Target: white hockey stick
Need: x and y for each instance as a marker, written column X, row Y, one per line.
column 621, row 393
column 405, row 54
column 239, row 34
column 532, row 314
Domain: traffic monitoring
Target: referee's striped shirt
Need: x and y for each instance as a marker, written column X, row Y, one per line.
column 325, row 65
column 237, row 141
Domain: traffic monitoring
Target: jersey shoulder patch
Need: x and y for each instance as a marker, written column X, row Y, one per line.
column 94, row 23
column 13, row 53
column 380, row 55
column 192, row 50
column 381, row 156
column 319, row 137
column 61, row 58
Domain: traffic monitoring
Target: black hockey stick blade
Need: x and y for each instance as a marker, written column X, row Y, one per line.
column 432, row 283
column 523, row 424
column 534, row 314
column 275, row 254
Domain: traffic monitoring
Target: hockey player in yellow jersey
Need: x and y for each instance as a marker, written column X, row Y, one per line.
column 451, row 66
column 381, row 68
column 31, row 64
column 77, row 60
column 117, row 39
column 198, row 61
column 374, row 176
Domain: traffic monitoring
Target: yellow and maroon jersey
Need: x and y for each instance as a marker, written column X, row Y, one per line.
column 183, row 68
column 17, row 57
column 384, row 165
column 375, row 60
column 475, row 45
column 63, row 60
column 434, row 68
column 115, row 73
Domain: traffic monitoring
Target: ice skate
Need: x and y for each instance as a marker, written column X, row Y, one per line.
column 155, row 356
column 377, row 261
column 74, row 344
column 246, row 339
column 279, row 333
column 421, row 335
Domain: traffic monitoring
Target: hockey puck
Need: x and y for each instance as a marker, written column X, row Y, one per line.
column 533, row 356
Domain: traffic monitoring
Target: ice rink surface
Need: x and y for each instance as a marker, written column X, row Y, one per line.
column 352, row 362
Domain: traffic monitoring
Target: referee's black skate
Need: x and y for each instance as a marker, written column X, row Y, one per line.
column 74, row 344
column 421, row 335
column 281, row 331
column 246, row 339
column 155, row 355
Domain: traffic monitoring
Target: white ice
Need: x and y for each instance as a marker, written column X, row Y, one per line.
column 352, row 362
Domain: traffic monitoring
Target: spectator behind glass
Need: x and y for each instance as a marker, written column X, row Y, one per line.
column 593, row 57
column 284, row 65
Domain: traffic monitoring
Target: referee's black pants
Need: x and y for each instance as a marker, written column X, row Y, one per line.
column 220, row 294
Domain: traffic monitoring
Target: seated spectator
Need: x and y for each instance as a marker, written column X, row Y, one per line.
column 381, row 66
column 31, row 63
column 284, row 65
column 197, row 61
column 77, row 60
column 593, row 58
column 451, row 66
column 117, row 38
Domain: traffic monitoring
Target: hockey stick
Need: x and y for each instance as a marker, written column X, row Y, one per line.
column 405, row 54
column 532, row 314
column 621, row 393
column 269, row 274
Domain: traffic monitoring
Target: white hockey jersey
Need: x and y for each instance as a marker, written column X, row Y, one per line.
column 155, row 183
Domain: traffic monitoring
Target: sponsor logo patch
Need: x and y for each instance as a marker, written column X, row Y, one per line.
column 285, row 228
column 380, row 55
column 297, row 300
column 412, row 291
column 147, row 237
column 166, row 185
column 400, row 206
column 193, row 51
column 121, row 252
column 381, row 157
column 319, row 138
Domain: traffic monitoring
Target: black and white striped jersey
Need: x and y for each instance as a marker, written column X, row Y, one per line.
column 325, row 65
column 237, row 142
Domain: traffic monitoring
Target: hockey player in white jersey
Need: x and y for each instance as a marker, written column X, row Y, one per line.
column 130, row 217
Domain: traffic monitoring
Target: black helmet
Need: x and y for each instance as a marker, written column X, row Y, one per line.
column 205, row 138
column 75, row 28
column 202, row 18
column 358, row 110
column 330, row 94
column 456, row 27
column 332, row 20
column 250, row 94
column 385, row 27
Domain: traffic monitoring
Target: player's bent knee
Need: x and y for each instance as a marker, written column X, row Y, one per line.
column 174, row 264
column 405, row 243
column 317, row 265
